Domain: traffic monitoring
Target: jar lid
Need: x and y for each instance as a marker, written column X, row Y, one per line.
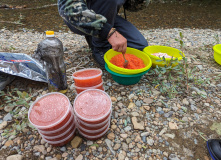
column 49, row 33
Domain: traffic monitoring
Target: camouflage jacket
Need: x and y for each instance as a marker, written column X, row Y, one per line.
column 87, row 21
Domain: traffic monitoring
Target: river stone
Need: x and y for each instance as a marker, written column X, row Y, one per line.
column 155, row 92
column 150, row 142
column 135, row 114
column 15, row 157
column 131, row 105
column 80, row 157
column 137, row 139
column 117, row 146
column 7, row 117
column 64, row 155
column 146, row 108
column 173, row 125
column 173, row 157
column 121, row 156
column 109, row 144
column 217, row 127
column 148, row 100
column 76, row 142
column 3, row 125
column 139, row 126
column 162, row 131
column 128, row 128
column 113, row 99
column 185, row 102
column 145, row 134
column 8, row 108
column 39, row 148
column 172, row 136
column 111, row 136
column 124, row 136
column 8, row 143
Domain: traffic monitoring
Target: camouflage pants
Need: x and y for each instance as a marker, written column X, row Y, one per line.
column 109, row 9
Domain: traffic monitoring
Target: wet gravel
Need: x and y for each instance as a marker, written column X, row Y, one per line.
column 145, row 123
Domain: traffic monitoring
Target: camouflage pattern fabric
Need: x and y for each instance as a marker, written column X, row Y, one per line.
column 87, row 21
column 83, row 19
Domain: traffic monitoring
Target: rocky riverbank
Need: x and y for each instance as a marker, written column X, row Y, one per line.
column 146, row 122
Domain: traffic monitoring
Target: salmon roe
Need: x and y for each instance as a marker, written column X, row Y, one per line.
column 133, row 61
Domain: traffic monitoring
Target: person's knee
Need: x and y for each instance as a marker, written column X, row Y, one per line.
column 145, row 44
column 73, row 29
column 142, row 44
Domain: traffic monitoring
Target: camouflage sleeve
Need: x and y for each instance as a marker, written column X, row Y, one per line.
column 83, row 19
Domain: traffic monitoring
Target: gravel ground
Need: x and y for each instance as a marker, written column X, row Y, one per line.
column 145, row 123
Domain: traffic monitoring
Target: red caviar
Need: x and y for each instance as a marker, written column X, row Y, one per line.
column 134, row 61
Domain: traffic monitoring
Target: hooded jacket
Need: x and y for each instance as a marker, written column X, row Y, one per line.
column 87, row 21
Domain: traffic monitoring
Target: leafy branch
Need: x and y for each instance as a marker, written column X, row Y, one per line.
column 17, row 104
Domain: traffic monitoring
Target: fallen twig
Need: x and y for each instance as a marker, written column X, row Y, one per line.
column 11, row 22
column 25, row 6
column 45, row 6
column 201, row 135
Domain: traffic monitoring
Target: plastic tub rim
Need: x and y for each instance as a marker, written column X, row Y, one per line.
column 167, row 59
column 216, row 49
column 125, row 75
column 84, row 78
column 54, row 124
column 91, row 120
column 60, row 135
column 61, row 141
column 92, row 87
column 93, row 131
column 125, row 71
column 97, row 136
column 59, row 129
column 94, row 125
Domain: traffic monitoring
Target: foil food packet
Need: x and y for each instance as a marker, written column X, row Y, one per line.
column 22, row 65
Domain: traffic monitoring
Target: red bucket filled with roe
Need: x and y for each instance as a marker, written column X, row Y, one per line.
column 49, row 113
column 81, row 89
column 92, row 107
column 87, row 77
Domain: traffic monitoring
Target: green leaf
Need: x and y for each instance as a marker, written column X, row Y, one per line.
column 14, row 132
column 21, row 102
column 181, row 35
column 28, row 99
column 125, row 122
column 95, row 144
column 182, row 121
column 24, row 94
column 180, row 73
column 18, row 127
column 4, row 134
column 19, row 93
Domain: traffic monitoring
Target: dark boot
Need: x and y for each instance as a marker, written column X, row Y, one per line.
column 98, row 55
column 89, row 41
column 214, row 148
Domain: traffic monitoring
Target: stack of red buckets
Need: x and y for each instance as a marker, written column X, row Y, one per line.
column 52, row 116
column 89, row 78
column 92, row 109
column 92, row 106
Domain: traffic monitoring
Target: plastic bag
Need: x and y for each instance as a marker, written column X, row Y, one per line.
column 22, row 65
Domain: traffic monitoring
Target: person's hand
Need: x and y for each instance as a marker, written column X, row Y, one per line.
column 118, row 42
